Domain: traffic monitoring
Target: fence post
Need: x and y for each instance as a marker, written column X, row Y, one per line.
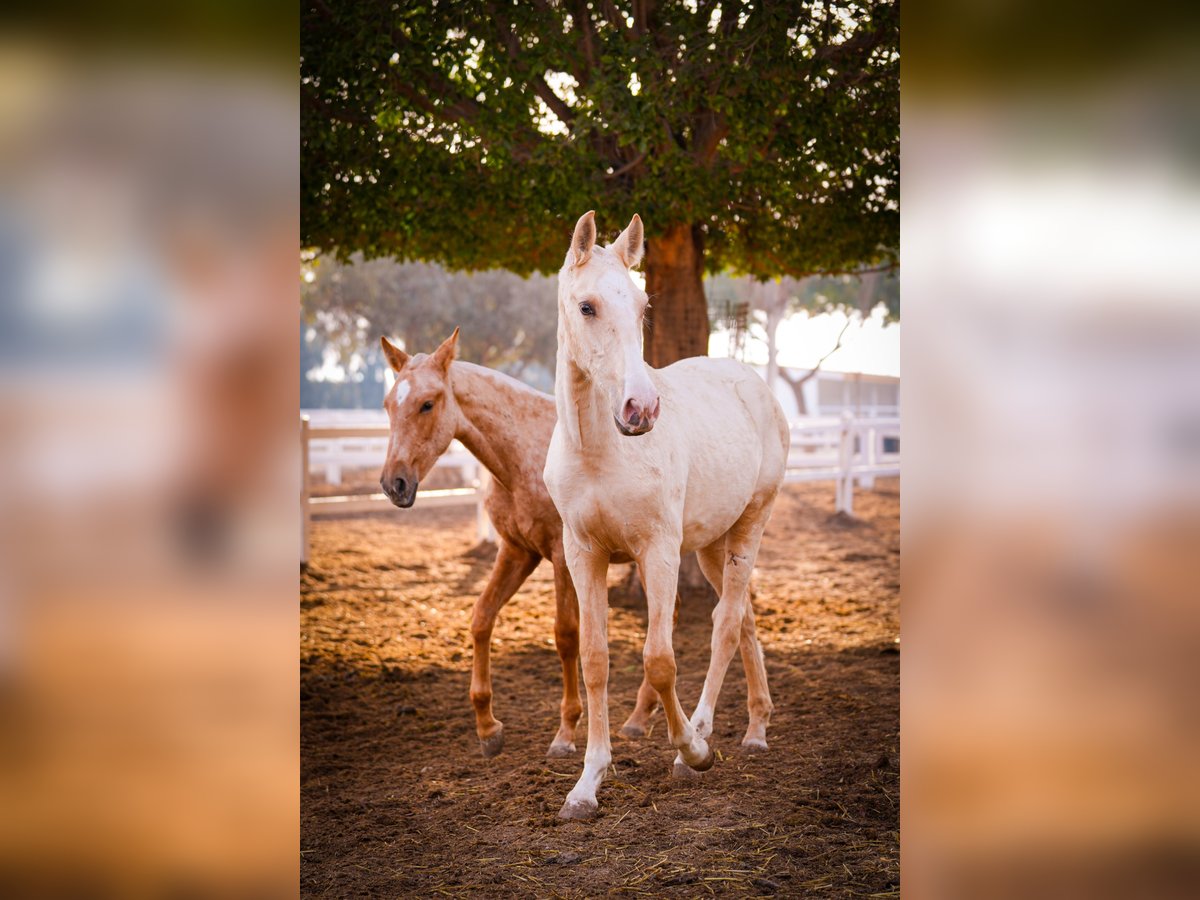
column 845, row 481
column 870, row 438
column 304, row 509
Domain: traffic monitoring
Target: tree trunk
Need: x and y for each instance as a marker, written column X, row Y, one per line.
column 676, row 328
column 797, row 387
column 774, row 319
column 677, row 324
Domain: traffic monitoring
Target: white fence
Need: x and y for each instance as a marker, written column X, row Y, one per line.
column 843, row 450
column 335, row 447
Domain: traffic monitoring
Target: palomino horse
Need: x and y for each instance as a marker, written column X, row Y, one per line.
column 703, row 478
column 507, row 426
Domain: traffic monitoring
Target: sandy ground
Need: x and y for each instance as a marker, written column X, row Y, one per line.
column 397, row 801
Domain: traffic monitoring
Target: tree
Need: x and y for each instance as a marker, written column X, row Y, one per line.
column 757, row 137
column 735, row 300
column 507, row 322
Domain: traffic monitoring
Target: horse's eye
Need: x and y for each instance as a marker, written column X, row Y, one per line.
column 427, row 406
column 587, row 309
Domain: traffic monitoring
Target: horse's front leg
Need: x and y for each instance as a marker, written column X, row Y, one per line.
column 661, row 567
column 588, row 569
column 566, row 640
column 513, row 566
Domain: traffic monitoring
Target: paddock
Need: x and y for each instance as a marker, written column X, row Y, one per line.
column 397, row 800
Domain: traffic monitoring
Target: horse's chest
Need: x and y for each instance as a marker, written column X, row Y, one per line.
column 614, row 518
column 525, row 518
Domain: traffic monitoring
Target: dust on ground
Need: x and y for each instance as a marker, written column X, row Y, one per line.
column 397, row 801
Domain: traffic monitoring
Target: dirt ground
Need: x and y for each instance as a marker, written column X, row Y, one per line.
column 397, row 800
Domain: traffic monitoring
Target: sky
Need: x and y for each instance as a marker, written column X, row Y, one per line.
column 869, row 346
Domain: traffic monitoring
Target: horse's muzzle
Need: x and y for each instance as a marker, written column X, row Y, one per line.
column 401, row 491
column 635, row 419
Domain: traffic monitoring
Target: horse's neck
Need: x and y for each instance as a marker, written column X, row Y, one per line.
column 584, row 411
column 487, row 426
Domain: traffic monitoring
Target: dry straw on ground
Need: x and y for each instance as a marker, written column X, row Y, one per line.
column 398, row 802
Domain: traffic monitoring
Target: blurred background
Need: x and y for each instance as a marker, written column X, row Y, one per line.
column 148, row 221
column 148, row 515
column 1051, row 203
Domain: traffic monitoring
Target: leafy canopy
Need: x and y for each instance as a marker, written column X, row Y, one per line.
column 475, row 133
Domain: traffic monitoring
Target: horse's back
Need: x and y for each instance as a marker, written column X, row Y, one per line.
column 728, row 398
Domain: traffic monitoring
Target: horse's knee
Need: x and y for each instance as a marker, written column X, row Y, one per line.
column 594, row 658
column 730, row 613
column 660, row 667
column 481, row 628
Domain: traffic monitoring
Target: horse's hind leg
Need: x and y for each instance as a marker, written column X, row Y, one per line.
column 758, row 695
column 740, row 551
column 566, row 640
column 638, row 722
column 513, row 566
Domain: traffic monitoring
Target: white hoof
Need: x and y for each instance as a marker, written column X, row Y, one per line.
column 704, row 762
column 578, row 809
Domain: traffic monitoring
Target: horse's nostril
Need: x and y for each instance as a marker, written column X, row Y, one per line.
column 399, row 485
column 631, row 413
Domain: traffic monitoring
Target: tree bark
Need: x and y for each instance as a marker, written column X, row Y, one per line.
column 677, row 324
column 774, row 319
column 797, row 387
column 677, row 328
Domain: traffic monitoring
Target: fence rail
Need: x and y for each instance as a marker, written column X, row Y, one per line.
column 843, row 450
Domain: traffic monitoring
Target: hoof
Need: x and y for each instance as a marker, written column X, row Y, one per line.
column 632, row 732
column 491, row 746
column 557, row 750
column 683, row 772
column 578, row 810
column 707, row 763
column 754, row 745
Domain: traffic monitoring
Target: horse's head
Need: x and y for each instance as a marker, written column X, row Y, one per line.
column 423, row 416
column 600, row 312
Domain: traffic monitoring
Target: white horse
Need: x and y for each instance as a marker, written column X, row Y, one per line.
column 703, row 478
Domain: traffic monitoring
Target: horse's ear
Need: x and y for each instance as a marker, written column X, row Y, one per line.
column 584, row 238
column 444, row 355
column 396, row 357
column 629, row 245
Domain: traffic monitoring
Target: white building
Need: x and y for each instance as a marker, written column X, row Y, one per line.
column 830, row 393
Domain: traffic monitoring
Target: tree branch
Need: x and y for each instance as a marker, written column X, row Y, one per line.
column 796, row 382
column 629, row 166
column 512, row 46
column 332, row 111
column 587, row 40
column 615, row 18
column 862, row 40
column 709, row 130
